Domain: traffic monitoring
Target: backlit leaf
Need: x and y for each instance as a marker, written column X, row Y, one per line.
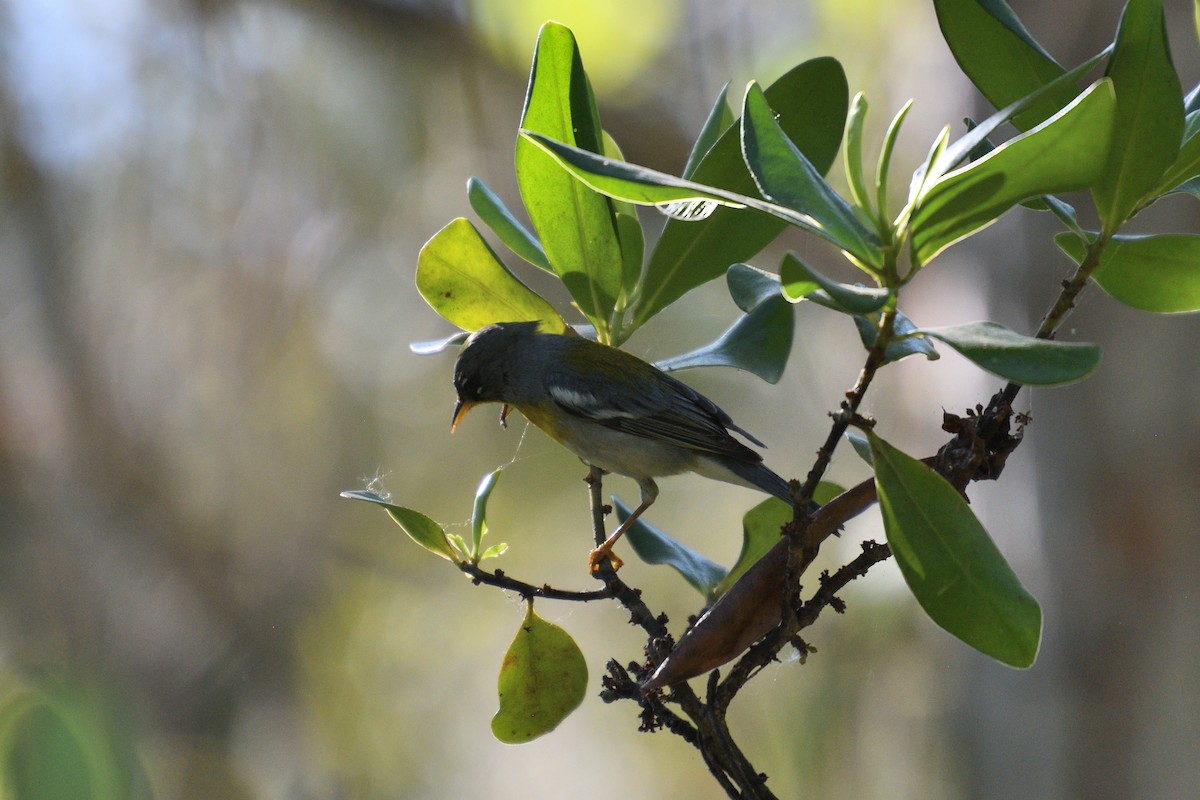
column 516, row 237
column 1064, row 153
column 542, row 680
column 575, row 225
column 460, row 276
column 420, row 528
column 720, row 117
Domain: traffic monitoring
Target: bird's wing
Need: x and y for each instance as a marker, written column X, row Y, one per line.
column 665, row 410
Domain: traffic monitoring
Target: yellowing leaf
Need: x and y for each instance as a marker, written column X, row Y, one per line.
column 542, row 680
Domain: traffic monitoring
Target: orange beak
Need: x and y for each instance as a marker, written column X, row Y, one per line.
column 460, row 413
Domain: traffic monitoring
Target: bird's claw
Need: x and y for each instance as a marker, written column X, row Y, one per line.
column 598, row 556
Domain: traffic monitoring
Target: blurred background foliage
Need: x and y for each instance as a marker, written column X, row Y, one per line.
column 211, row 211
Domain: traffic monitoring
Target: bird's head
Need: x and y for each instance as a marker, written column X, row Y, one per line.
column 486, row 362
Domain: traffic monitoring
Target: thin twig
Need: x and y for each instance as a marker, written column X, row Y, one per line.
column 654, row 625
column 527, row 590
column 872, row 554
column 706, row 732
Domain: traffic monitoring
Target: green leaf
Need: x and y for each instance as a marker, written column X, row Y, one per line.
column 759, row 342
column 784, row 175
column 459, row 544
column 749, row 286
column 494, row 551
column 905, row 345
column 929, row 171
column 576, row 225
column 952, row 566
column 630, row 182
column 495, row 215
column 1000, row 57
column 762, row 527
column 1159, row 273
column 852, row 153
column 633, row 244
column 420, row 528
column 635, row 184
column 884, row 166
column 1149, row 116
column 1064, row 211
column 826, row 491
column 460, row 276
column 760, row 532
column 633, row 248
column 960, row 150
column 1017, row 358
column 1064, row 153
column 542, row 680
column 613, row 150
column 800, row 280
column 1187, row 163
column 656, row 547
column 479, row 526
column 811, row 100
column 720, row 117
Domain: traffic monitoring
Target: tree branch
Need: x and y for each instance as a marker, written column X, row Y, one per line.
column 528, row 590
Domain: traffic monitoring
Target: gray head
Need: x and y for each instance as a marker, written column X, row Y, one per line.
column 486, row 362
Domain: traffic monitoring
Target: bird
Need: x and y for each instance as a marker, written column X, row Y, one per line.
column 616, row 412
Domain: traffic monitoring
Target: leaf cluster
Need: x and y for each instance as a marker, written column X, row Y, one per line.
column 1116, row 128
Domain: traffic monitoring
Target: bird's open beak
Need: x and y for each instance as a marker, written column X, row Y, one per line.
column 460, row 413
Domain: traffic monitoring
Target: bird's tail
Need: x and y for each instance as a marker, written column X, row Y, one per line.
column 760, row 477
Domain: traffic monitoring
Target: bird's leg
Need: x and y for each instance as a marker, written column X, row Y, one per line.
column 649, row 495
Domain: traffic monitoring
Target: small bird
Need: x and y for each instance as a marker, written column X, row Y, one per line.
column 613, row 410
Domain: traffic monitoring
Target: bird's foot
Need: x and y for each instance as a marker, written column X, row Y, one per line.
column 599, row 555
